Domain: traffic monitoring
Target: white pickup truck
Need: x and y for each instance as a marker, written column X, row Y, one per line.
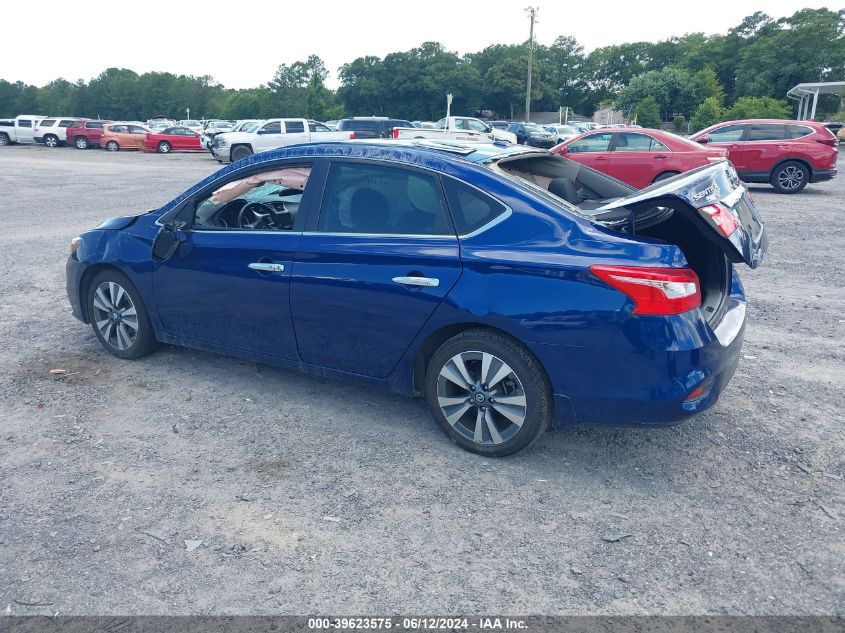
column 233, row 146
column 21, row 129
column 457, row 128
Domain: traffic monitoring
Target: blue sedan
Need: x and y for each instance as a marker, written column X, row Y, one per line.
column 515, row 290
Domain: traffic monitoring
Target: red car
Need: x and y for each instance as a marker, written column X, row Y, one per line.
column 173, row 139
column 637, row 156
column 85, row 133
column 787, row 154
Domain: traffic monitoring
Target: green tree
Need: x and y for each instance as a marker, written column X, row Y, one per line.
column 647, row 112
column 757, row 108
column 710, row 111
column 504, row 85
column 672, row 89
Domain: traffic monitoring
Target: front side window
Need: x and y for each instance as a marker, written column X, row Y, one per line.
column 136, row 129
column 471, row 209
column 66, row 123
column 476, row 126
column 767, row 132
column 592, row 143
column 630, row 142
column 25, row 123
column 272, row 128
column 379, row 199
column 727, row 134
column 294, row 127
column 266, row 201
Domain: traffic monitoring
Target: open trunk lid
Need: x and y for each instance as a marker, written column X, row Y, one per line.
column 716, row 201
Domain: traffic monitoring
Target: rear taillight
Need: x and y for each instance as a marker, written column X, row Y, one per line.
column 396, row 130
column 352, row 136
column 721, row 217
column 658, row 291
column 830, row 142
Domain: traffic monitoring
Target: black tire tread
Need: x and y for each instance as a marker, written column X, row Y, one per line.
column 146, row 341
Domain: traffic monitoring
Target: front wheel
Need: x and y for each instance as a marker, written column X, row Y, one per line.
column 119, row 317
column 81, row 142
column 790, row 177
column 240, row 152
column 164, row 147
column 4, row 139
column 112, row 146
column 488, row 393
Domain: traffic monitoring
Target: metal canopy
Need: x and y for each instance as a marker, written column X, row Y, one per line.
column 805, row 93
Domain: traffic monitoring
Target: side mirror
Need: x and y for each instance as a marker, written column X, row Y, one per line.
column 167, row 241
column 703, row 140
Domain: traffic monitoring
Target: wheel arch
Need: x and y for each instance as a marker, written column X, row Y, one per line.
column 236, row 145
column 435, row 339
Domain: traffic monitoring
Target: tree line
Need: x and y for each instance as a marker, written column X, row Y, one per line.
column 696, row 77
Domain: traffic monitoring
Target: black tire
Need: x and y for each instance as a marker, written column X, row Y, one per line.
column 51, row 140
column 665, row 175
column 113, row 146
column 4, row 139
column 240, row 152
column 790, row 176
column 526, row 382
column 144, row 340
column 81, row 142
column 164, row 147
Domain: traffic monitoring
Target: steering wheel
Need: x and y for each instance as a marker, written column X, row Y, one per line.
column 256, row 215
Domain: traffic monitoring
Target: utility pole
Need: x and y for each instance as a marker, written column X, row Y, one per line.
column 532, row 13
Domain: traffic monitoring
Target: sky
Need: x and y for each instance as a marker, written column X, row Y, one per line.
column 241, row 45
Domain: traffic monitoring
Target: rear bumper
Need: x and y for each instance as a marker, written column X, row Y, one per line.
column 820, row 175
column 647, row 377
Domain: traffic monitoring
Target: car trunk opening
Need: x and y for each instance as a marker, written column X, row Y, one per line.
column 707, row 213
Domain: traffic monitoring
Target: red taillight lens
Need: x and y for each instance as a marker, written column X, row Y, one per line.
column 658, row 291
column 396, row 130
column 352, row 136
column 721, row 217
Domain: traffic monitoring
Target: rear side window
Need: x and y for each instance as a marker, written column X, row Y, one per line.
column 295, row 127
column 592, row 143
column 471, row 209
column 48, row 122
column 96, row 125
column 363, row 126
column 726, row 134
column 379, row 199
column 767, row 132
column 797, row 131
column 629, row 142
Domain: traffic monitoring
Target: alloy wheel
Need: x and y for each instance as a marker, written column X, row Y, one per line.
column 481, row 397
column 51, row 141
column 115, row 315
column 790, row 177
column 112, row 146
column 4, row 140
column 82, row 142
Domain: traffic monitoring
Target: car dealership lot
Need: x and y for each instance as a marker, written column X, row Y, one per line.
column 310, row 494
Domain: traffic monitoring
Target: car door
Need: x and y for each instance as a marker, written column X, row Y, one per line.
column 295, row 132
column 762, row 147
column 592, row 150
column 227, row 284
column 136, row 136
column 638, row 158
column 268, row 136
column 729, row 137
column 371, row 268
column 26, row 130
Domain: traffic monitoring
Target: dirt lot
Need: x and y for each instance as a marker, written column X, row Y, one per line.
column 311, row 495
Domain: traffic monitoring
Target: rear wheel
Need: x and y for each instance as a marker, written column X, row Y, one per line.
column 51, row 140
column 164, row 147
column 488, row 393
column 240, row 152
column 664, row 176
column 790, row 177
column 119, row 317
column 81, row 142
column 112, row 146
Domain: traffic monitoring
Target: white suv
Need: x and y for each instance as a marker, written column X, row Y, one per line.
column 53, row 131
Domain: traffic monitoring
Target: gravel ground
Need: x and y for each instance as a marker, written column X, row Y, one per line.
column 313, row 495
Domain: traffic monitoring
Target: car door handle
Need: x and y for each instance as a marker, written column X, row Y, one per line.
column 428, row 282
column 661, row 156
column 267, row 267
